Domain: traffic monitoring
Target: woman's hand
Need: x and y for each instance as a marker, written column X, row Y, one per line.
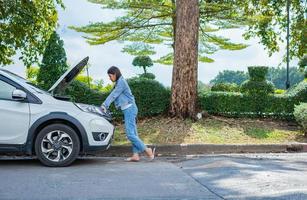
column 103, row 108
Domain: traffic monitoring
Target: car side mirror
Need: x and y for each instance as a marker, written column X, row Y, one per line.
column 19, row 95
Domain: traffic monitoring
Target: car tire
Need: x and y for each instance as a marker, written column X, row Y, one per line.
column 57, row 145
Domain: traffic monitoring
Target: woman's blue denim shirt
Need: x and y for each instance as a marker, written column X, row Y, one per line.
column 121, row 95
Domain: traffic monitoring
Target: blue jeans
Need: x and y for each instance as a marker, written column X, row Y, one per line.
column 131, row 130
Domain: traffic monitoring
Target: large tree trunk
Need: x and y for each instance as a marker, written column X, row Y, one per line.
column 184, row 81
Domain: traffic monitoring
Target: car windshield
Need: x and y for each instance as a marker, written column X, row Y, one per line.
column 32, row 85
column 36, row 88
column 14, row 75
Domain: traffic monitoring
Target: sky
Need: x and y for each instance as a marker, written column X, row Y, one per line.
column 81, row 12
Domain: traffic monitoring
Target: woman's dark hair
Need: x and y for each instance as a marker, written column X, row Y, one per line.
column 114, row 70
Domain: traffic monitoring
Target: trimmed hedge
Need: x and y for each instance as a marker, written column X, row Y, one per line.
column 298, row 92
column 257, row 87
column 148, row 76
column 244, row 105
column 81, row 93
column 152, row 98
column 225, row 87
column 300, row 113
column 258, row 73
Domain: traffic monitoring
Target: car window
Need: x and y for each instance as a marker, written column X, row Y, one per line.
column 6, row 90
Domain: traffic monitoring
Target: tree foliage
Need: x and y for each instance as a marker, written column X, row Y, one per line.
column 142, row 61
column 276, row 75
column 268, row 21
column 26, row 26
column 303, row 65
column 230, row 76
column 54, row 63
column 149, row 22
column 31, row 74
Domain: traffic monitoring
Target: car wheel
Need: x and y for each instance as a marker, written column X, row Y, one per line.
column 57, row 145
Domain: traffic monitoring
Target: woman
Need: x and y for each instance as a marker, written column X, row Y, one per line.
column 124, row 100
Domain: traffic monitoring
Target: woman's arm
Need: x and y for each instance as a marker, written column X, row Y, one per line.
column 119, row 88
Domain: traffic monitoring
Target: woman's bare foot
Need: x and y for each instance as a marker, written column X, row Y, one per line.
column 133, row 158
column 150, row 153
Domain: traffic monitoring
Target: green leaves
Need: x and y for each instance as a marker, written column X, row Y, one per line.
column 142, row 61
column 54, row 62
column 154, row 21
column 150, row 22
column 300, row 113
column 26, row 26
column 269, row 20
column 139, row 49
column 166, row 60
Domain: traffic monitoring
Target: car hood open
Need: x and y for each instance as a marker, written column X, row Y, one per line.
column 68, row 77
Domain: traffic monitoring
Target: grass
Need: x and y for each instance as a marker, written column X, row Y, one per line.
column 213, row 130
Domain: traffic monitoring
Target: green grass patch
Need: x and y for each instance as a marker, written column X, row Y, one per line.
column 213, row 130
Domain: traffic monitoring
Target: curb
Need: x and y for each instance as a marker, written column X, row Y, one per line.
column 194, row 149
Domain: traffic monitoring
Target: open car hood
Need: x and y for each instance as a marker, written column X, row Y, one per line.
column 68, row 77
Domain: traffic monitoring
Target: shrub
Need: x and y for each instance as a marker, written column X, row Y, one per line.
column 148, row 76
column 298, row 92
column 236, row 104
column 152, row 97
column 81, row 93
column 225, row 87
column 257, row 73
column 253, row 104
column 257, row 87
column 300, row 114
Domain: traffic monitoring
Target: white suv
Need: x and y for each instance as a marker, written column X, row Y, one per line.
column 34, row 121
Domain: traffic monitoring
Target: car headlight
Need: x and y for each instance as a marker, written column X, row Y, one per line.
column 95, row 110
column 90, row 108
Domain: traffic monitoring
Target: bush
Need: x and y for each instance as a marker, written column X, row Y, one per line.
column 298, row 92
column 225, row 87
column 148, row 76
column 300, row 114
column 257, row 73
column 236, row 104
column 152, row 97
column 253, row 104
column 81, row 93
column 257, row 87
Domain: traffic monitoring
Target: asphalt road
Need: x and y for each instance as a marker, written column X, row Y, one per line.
column 245, row 176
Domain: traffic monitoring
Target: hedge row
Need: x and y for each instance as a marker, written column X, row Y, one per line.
column 245, row 105
column 152, row 97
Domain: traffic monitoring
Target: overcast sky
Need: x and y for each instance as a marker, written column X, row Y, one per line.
column 81, row 12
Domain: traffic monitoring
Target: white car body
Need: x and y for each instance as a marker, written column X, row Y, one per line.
column 22, row 119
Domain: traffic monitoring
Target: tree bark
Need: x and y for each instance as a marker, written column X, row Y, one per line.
column 184, row 81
